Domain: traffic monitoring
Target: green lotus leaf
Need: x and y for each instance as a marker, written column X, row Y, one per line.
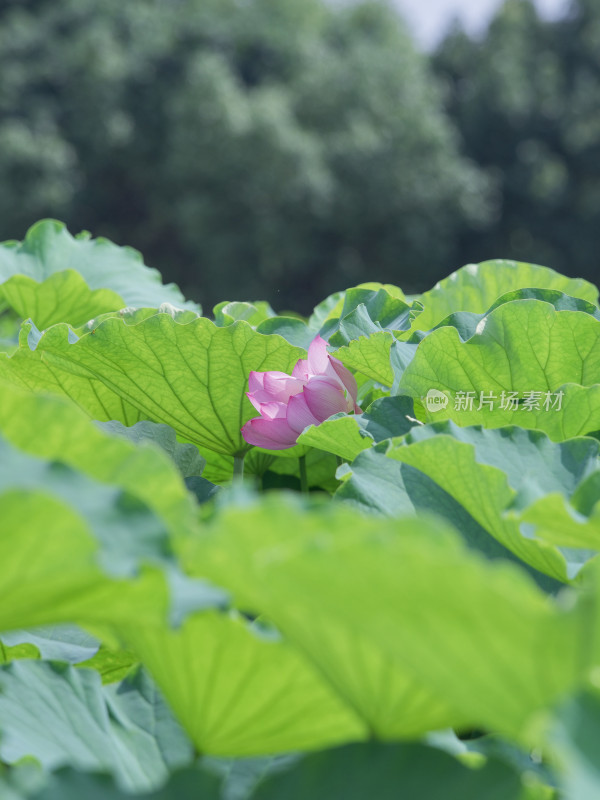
column 387, row 487
column 391, row 702
column 294, row 330
column 9, row 653
column 554, row 519
column 185, row 456
column 27, row 369
column 348, row 435
column 82, row 512
column 49, row 255
column 475, row 287
column 56, row 642
column 365, row 311
column 240, row 691
column 339, row 304
column 572, row 739
column 372, row 602
column 527, row 365
column 320, row 465
column 54, row 571
column 9, row 330
column 370, row 355
column 130, row 316
column 191, row 783
column 253, row 313
column 499, row 477
column 126, row 530
column 559, row 300
column 112, row 664
column 53, row 428
column 389, row 772
column 359, row 311
column 340, row 434
column 63, row 297
column 219, row 468
column 467, row 322
column 192, row 377
column 61, row 715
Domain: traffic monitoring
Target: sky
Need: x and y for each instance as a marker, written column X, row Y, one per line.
column 429, row 19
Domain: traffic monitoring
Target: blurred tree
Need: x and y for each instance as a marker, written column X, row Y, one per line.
column 267, row 148
column 526, row 100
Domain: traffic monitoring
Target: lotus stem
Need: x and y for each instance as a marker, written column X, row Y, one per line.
column 303, row 478
column 238, row 467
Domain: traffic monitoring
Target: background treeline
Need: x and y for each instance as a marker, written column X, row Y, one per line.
column 283, row 149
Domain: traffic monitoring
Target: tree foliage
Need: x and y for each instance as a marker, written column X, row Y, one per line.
column 276, row 143
column 525, row 101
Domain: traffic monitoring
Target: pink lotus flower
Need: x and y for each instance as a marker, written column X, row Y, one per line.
column 318, row 387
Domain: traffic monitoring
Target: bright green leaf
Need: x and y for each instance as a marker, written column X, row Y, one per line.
column 51, row 574
column 526, row 348
column 553, row 519
column 340, row 435
column 489, row 471
column 10, row 652
column 62, row 297
column 370, row 356
column 253, row 313
column 53, row 429
column 192, row 377
column 475, row 287
column 239, row 691
column 479, row 640
column 391, row 702
column 112, row 665
column 48, row 249
column 28, row 369
column 347, row 435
